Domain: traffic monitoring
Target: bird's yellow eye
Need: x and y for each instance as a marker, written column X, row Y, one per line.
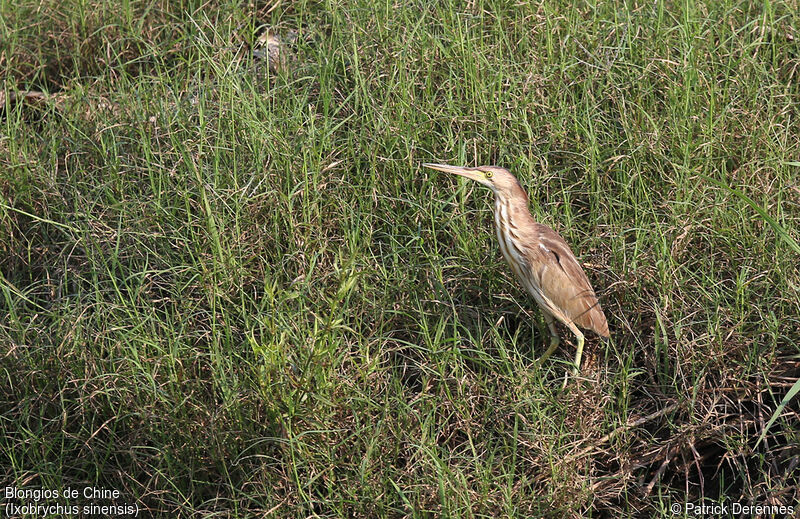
column 488, row 174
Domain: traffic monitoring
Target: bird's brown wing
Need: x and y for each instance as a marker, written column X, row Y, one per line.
column 562, row 281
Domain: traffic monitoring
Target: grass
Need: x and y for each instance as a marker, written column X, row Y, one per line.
column 231, row 292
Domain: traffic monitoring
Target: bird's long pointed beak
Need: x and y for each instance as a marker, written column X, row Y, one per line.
column 457, row 170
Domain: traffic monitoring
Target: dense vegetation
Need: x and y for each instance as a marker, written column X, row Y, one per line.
column 233, row 291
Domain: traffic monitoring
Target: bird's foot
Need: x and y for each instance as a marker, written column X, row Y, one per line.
column 554, row 342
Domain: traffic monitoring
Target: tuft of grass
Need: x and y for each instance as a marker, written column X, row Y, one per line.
column 231, row 292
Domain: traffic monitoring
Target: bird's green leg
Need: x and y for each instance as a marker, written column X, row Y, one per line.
column 554, row 340
column 578, row 354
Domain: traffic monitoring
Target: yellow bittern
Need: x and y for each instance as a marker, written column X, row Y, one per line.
column 540, row 258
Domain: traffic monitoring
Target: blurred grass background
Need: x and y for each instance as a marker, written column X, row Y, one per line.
column 232, row 291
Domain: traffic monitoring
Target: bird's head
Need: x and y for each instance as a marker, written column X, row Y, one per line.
column 498, row 179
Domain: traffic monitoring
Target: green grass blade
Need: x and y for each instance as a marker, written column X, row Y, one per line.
column 789, row 396
column 783, row 233
column 779, row 230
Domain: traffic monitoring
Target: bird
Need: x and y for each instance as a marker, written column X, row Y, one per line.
column 540, row 258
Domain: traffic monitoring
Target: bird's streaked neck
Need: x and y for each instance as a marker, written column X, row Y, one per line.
column 513, row 204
